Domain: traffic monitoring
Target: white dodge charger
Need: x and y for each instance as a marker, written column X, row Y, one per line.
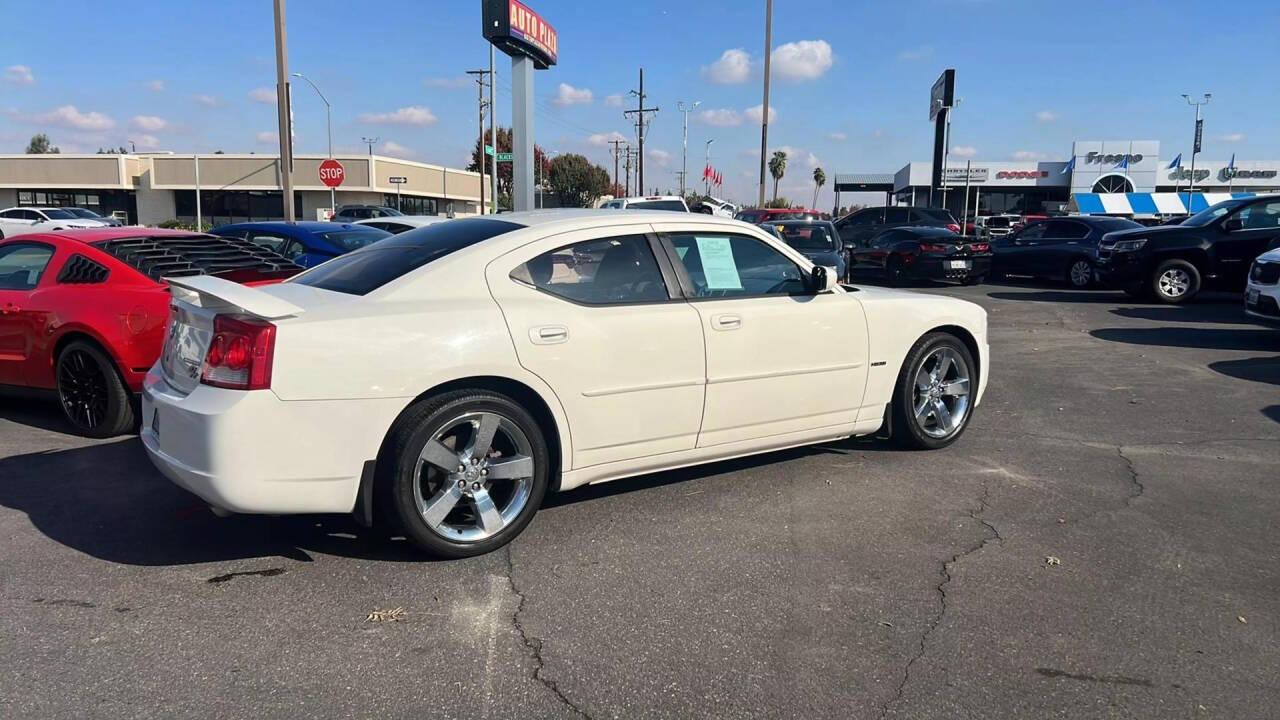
column 445, row 379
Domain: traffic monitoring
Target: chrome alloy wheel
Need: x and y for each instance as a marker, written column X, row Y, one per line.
column 1174, row 282
column 473, row 477
column 1081, row 273
column 941, row 396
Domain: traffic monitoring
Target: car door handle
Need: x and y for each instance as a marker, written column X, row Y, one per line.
column 549, row 334
column 726, row 322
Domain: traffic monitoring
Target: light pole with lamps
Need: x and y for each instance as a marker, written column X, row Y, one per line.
column 328, row 118
column 1195, row 143
column 684, row 153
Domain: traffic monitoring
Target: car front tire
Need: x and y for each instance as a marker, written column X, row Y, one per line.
column 1175, row 281
column 93, row 397
column 464, row 472
column 937, row 386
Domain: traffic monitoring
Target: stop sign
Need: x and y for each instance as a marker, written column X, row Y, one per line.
column 331, row 173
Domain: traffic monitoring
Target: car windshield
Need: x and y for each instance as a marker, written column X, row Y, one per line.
column 675, row 205
column 353, row 238
column 369, row 268
column 82, row 213
column 58, row 214
column 1208, row 215
column 808, row 236
column 997, row 222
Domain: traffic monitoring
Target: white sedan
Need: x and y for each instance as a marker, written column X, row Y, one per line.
column 446, row 378
column 396, row 224
column 24, row 220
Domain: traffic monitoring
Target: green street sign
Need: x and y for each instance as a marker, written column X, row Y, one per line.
column 488, row 149
column 504, row 157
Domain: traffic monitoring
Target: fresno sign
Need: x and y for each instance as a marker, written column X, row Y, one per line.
column 1112, row 159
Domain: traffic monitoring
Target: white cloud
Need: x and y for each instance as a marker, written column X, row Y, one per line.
column 19, row 75
column 964, row 151
column 803, row 60
column 264, row 95
column 268, row 137
column 68, row 116
column 813, row 160
column 754, row 114
column 156, row 85
column 395, row 149
column 150, row 123
column 570, row 95
column 733, row 68
column 919, row 53
column 791, row 152
column 1232, row 137
column 659, row 157
column 613, row 101
column 146, row 142
column 838, row 136
column 1046, row 116
column 206, row 100
column 1028, row 155
column 453, row 83
column 722, row 117
column 414, row 115
column 606, row 139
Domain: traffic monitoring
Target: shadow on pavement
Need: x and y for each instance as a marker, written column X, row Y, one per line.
column 1273, row 412
column 1063, row 296
column 41, row 413
column 1207, row 313
column 1208, row 338
column 107, row 501
column 1259, row 369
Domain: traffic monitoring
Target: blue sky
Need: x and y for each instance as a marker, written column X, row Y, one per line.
column 850, row 90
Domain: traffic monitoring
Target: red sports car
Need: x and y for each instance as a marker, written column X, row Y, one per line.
column 83, row 312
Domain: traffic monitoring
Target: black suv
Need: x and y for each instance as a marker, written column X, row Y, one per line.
column 858, row 227
column 1211, row 249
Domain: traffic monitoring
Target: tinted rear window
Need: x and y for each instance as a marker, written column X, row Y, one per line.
column 369, row 268
column 675, row 205
column 354, row 238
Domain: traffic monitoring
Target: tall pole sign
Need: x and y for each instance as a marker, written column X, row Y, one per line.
column 532, row 44
column 942, row 97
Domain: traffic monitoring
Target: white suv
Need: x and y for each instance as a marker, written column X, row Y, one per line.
column 1262, row 294
column 674, row 203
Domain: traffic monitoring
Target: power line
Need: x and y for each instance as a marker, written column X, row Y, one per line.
column 641, row 126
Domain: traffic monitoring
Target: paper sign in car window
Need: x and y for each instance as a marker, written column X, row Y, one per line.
column 718, row 268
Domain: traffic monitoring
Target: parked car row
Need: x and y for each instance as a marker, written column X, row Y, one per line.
column 23, row 220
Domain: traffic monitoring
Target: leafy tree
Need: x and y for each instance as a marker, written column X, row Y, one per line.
column 40, row 145
column 778, row 202
column 575, row 181
column 777, row 168
column 819, row 179
column 540, row 164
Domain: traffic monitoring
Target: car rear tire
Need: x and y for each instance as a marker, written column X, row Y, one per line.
column 1175, row 281
column 894, row 272
column 451, row 498
column 92, row 394
column 1079, row 273
column 933, row 400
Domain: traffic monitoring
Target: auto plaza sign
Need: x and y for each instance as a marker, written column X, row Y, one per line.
column 517, row 30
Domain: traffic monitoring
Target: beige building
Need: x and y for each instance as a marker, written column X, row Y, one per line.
column 148, row 189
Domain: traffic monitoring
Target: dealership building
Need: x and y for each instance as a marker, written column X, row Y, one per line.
column 148, row 189
column 1127, row 177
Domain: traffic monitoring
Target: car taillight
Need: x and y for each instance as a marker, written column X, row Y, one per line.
column 240, row 354
column 931, row 248
column 953, row 228
column 979, row 247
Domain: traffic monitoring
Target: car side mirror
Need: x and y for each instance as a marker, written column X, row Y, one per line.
column 822, row 279
column 1233, row 224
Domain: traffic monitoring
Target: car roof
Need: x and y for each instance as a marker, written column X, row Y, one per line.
column 797, row 221
column 310, row 226
column 93, row 235
column 642, row 198
column 922, row 230
column 407, row 219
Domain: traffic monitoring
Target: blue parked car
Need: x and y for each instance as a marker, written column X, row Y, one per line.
column 817, row 239
column 306, row 243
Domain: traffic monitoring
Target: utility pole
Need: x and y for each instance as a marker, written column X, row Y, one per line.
column 616, row 149
column 493, row 133
column 704, row 167
column 641, row 127
column 764, row 114
column 1195, row 143
column 684, row 153
column 370, row 142
column 480, row 104
column 630, row 153
column 283, row 110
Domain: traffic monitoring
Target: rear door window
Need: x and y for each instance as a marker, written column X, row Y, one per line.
column 606, row 271
column 1066, row 230
column 895, row 215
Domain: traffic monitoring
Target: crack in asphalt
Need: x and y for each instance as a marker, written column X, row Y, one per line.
column 993, row 534
column 1139, row 488
column 533, row 644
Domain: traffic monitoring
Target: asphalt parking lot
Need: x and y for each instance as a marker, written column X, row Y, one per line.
column 1101, row 543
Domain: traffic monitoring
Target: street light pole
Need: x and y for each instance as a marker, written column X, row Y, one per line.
column 284, row 108
column 684, row 153
column 370, row 142
column 1195, row 144
column 328, row 119
column 764, row 109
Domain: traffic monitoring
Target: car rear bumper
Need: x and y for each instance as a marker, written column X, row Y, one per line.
column 938, row 269
column 250, row 452
column 1266, row 304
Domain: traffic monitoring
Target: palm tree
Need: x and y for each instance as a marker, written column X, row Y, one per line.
column 777, row 168
column 819, row 179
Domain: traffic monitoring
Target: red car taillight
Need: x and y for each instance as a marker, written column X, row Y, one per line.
column 931, row 248
column 979, row 247
column 240, row 354
column 953, row 228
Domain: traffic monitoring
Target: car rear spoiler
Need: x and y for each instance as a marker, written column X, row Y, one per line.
column 196, row 288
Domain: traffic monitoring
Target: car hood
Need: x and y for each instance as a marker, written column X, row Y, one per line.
column 1154, row 233
column 822, row 257
column 1270, row 256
